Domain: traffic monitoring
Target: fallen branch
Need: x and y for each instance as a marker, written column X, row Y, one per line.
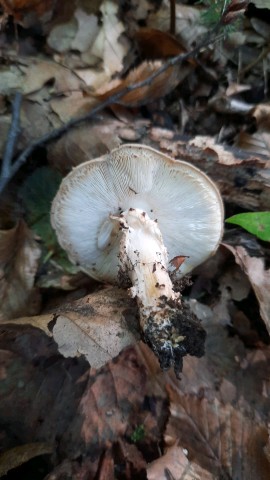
column 12, row 136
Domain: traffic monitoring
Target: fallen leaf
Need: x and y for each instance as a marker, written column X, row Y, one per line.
column 155, row 44
column 25, row 12
column 218, row 437
column 107, row 45
column 17, row 456
column 40, row 72
column 209, row 145
column 19, row 255
column 257, row 143
column 63, row 35
column 187, row 22
column 157, row 87
column 259, row 277
column 87, row 30
column 11, row 79
column 257, row 223
column 175, row 465
column 74, row 410
column 93, row 140
column 97, row 327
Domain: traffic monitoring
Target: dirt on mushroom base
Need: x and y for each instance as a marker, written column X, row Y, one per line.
column 181, row 334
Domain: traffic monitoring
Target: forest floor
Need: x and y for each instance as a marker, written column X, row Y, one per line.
column 81, row 396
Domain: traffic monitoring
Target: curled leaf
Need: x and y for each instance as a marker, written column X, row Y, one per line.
column 157, row 87
column 19, row 254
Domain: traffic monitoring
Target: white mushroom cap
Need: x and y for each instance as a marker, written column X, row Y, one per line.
column 184, row 201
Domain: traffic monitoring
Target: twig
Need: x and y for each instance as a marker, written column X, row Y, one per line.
column 48, row 137
column 172, row 17
column 12, row 136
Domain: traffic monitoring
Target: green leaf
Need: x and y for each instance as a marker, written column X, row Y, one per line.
column 138, row 434
column 257, row 223
column 37, row 193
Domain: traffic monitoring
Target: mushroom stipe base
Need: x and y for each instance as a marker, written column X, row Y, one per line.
column 182, row 335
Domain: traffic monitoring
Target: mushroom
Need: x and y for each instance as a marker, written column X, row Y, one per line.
column 130, row 218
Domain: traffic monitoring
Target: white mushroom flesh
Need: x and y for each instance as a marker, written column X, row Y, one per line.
column 143, row 258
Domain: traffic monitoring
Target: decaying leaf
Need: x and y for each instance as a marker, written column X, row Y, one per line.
column 155, row 44
column 16, row 456
column 41, row 72
column 157, row 87
column 97, row 327
column 99, row 341
column 259, row 277
column 175, row 465
column 26, row 12
column 218, row 437
column 82, row 144
column 209, row 145
column 187, row 22
column 70, row 408
column 19, row 255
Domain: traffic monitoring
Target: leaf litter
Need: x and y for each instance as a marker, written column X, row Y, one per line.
column 100, row 404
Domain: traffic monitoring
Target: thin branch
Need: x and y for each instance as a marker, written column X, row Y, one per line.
column 55, row 134
column 172, row 17
column 12, row 136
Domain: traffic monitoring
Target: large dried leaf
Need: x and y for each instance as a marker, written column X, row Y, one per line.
column 16, row 456
column 227, row 371
column 155, row 89
column 218, row 437
column 19, row 254
column 155, row 44
column 74, row 410
column 259, row 277
column 187, row 22
column 42, row 72
column 98, row 326
column 175, row 465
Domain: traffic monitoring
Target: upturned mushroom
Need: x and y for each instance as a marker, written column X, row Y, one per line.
column 130, row 218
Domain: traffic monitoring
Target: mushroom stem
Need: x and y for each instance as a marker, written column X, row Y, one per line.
column 143, row 257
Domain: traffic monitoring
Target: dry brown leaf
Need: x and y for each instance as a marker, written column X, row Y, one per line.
column 175, row 465
column 187, row 22
column 259, row 277
column 19, row 255
column 155, row 44
column 87, row 30
column 26, row 11
column 107, row 46
column 157, row 88
column 262, row 115
column 11, row 79
column 17, row 456
column 76, row 104
column 74, row 410
column 209, row 145
column 257, row 143
column 99, row 326
column 41, row 72
column 93, row 140
column 62, row 36
column 218, row 437
column 108, row 406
